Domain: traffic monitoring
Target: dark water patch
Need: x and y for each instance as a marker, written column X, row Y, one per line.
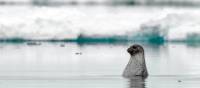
column 62, row 45
column 90, row 40
column 109, row 39
column 78, row 53
column 14, row 40
column 150, row 39
column 33, row 43
column 193, row 45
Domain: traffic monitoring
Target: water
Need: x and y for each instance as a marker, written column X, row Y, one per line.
column 59, row 65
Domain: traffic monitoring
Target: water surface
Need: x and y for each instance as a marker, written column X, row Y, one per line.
column 59, row 65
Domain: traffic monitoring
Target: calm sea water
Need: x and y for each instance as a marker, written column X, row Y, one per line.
column 72, row 65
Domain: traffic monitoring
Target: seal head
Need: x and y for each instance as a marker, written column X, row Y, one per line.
column 135, row 49
column 136, row 65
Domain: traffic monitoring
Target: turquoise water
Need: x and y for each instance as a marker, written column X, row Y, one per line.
column 99, row 65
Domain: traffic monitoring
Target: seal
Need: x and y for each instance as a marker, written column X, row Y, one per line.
column 136, row 65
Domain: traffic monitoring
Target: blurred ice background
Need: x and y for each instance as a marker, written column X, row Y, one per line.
column 112, row 20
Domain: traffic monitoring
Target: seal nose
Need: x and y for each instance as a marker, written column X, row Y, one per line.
column 130, row 50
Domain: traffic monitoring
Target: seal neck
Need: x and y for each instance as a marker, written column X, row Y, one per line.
column 138, row 57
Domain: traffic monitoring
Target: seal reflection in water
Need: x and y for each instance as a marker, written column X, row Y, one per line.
column 136, row 82
column 136, row 66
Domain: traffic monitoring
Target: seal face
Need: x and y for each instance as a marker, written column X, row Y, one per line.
column 134, row 49
column 136, row 65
